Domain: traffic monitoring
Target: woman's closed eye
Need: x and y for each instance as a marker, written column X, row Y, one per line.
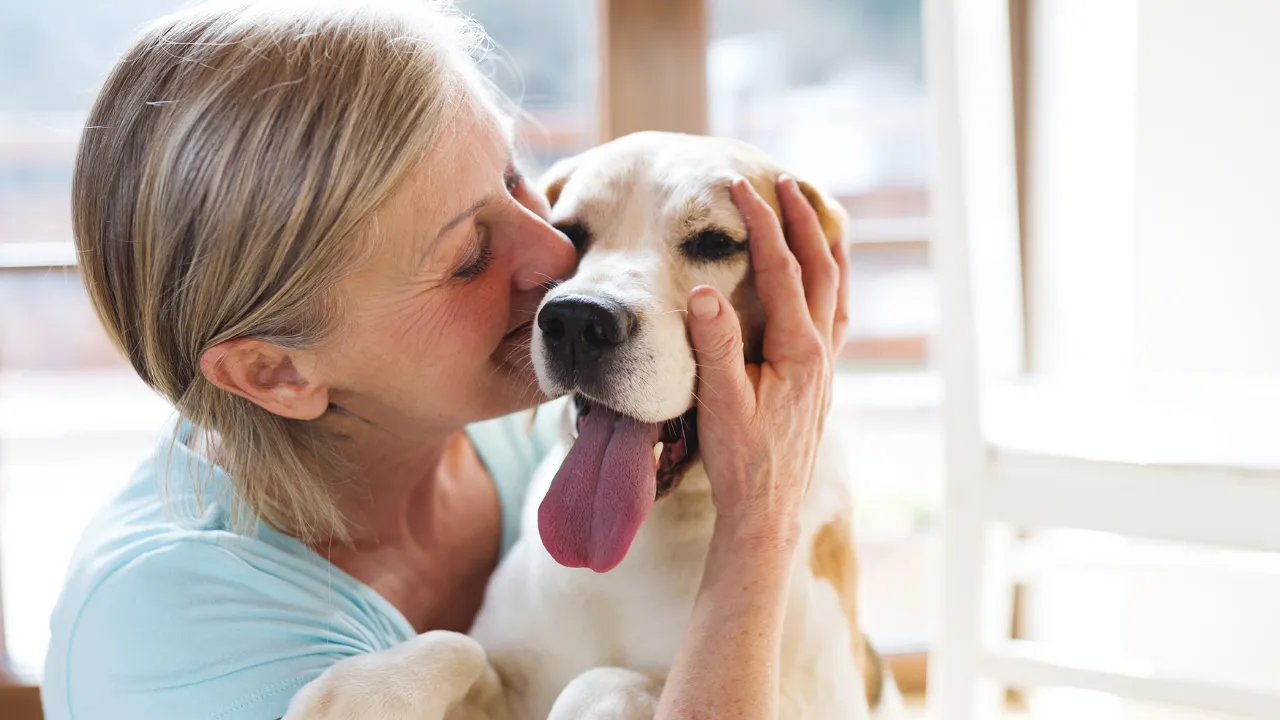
column 480, row 255
column 477, row 260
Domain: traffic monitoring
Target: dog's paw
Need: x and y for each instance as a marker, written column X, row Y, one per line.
column 608, row 693
column 417, row 680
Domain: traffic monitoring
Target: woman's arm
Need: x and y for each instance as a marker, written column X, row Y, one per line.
column 758, row 428
column 729, row 659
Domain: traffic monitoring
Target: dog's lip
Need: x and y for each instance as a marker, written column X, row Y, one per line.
column 583, row 398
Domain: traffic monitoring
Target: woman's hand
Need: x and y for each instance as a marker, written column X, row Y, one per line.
column 758, row 426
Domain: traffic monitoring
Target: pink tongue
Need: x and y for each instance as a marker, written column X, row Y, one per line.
column 602, row 493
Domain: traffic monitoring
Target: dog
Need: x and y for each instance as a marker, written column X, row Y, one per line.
column 584, row 616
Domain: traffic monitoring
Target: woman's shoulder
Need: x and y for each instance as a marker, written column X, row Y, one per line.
column 187, row 624
column 157, row 617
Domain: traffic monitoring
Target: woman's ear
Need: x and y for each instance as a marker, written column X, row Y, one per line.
column 831, row 214
column 280, row 380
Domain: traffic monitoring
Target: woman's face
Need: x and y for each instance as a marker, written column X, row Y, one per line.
column 435, row 328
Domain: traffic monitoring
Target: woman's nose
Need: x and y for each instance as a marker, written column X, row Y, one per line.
column 544, row 253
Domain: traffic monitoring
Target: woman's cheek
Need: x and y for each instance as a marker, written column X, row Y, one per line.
column 478, row 319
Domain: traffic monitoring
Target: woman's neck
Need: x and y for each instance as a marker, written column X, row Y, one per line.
column 426, row 526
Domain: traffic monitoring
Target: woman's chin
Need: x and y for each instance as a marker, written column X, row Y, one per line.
column 518, row 386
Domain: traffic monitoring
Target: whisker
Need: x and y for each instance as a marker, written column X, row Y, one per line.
column 700, row 400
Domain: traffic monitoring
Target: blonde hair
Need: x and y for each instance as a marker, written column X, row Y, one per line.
column 228, row 166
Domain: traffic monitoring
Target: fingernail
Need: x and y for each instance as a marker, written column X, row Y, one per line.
column 704, row 307
column 785, row 179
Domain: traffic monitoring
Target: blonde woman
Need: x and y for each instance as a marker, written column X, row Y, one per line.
column 303, row 225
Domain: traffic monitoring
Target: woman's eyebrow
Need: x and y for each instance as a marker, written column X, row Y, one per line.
column 475, row 207
column 472, row 210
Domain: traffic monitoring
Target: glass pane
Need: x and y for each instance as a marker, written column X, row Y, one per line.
column 834, row 89
column 47, row 324
column 549, row 66
column 53, row 56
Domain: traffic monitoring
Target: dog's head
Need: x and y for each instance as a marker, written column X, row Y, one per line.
column 652, row 218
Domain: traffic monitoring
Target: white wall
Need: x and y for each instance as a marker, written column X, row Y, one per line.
column 1155, row 247
column 1081, row 156
column 1154, row 203
column 1208, row 186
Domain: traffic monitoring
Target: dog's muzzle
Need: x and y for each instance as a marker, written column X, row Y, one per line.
column 580, row 334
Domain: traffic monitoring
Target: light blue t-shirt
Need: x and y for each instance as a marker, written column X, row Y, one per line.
column 161, row 621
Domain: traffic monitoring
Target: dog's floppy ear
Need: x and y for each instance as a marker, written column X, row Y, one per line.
column 831, row 214
column 555, row 177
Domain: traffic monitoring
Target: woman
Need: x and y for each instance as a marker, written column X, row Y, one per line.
column 303, row 225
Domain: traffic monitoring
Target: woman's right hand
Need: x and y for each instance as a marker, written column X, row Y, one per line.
column 759, row 425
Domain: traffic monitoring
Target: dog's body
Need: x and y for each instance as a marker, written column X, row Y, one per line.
column 544, row 624
column 652, row 218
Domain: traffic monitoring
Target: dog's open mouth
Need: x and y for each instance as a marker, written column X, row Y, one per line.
column 609, row 481
column 676, row 448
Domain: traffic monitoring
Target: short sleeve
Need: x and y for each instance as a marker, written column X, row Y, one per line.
column 223, row 630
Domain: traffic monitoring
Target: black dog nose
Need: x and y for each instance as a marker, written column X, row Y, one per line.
column 588, row 324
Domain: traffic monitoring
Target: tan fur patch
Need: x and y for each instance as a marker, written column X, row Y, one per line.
column 833, row 559
column 831, row 215
column 873, row 674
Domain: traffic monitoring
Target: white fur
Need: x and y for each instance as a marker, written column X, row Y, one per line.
column 571, row 644
column 544, row 625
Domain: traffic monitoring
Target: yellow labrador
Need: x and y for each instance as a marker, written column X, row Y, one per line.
column 584, row 616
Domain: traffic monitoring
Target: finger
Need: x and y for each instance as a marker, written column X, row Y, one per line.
column 788, row 327
column 809, row 244
column 723, row 387
column 840, row 326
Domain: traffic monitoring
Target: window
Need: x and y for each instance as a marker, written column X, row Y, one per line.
column 549, row 66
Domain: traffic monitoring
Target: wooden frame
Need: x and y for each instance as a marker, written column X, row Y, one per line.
column 653, row 56
column 20, row 702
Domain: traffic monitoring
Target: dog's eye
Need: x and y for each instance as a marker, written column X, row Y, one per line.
column 577, row 234
column 711, row 245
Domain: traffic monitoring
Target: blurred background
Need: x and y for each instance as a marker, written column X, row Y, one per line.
column 1126, row 154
